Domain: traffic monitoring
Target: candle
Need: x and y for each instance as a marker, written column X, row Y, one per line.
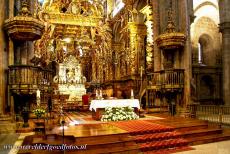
column 96, row 93
column 100, row 93
column 38, row 93
column 132, row 96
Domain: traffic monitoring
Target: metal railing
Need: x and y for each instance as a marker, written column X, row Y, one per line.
column 213, row 113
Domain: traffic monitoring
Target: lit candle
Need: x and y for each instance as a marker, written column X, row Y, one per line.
column 132, row 96
column 101, row 93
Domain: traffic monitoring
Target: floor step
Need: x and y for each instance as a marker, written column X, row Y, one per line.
column 108, row 143
column 207, row 139
column 164, row 144
column 156, row 136
column 7, row 127
column 101, row 138
column 132, row 149
column 169, row 150
column 191, row 126
column 201, row 132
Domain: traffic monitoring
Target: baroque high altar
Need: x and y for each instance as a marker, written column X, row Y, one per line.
column 78, row 45
column 151, row 47
column 70, row 80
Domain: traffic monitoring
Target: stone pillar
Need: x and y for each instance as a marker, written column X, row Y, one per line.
column 224, row 8
column 11, row 44
column 156, row 23
column 3, row 60
column 186, row 57
column 11, row 56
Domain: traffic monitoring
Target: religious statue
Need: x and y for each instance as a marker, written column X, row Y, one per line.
column 74, row 7
column 46, row 4
column 52, row 5
column 98, row 8
column 38, row 97
column 71, row 75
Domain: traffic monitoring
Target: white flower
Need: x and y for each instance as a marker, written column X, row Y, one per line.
column 119, row 113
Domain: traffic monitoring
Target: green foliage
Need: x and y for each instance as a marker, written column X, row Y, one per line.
column 39, row 112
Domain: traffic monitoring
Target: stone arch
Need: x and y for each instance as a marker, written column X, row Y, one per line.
column 116, row 31
column 206, row 3
column 206, row 8
column 206, row 32
column 206, row 45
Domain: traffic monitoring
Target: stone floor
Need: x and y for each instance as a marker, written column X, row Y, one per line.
column 7, row 139
column 211, row 148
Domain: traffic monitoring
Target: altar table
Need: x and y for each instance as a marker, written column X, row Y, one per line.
column 98, row 106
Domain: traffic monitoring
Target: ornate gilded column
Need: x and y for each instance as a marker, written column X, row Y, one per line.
column 100, row 67
column 117, row 48
column 224, row 8
column 135, row 31
column 94, row 69
column 148, row 11
column 109, row 65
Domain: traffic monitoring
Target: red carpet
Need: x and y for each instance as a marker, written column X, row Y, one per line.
column 154, row 138
column 137, row 127
column 151, row 137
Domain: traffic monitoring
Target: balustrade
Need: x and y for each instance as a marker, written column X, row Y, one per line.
column 166, row 79
column 27, row 79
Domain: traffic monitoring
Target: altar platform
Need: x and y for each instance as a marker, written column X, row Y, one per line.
column 155, row 134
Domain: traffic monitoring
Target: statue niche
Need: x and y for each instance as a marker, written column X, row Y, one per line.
column 70, row 79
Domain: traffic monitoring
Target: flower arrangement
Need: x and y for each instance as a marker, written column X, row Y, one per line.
column 118, row 114
column 39, row 112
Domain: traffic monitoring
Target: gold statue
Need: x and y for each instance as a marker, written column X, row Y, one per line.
column 74, row 7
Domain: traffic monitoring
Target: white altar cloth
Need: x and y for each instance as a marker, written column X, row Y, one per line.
column 114, row 103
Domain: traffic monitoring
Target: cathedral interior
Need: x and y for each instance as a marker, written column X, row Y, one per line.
column 169, row 58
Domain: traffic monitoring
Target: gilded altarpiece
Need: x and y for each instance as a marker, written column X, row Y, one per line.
column 137, row 33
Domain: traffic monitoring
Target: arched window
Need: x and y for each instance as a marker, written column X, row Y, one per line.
column 199, row 53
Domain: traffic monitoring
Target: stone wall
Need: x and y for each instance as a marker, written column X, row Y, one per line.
column 206, row 32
